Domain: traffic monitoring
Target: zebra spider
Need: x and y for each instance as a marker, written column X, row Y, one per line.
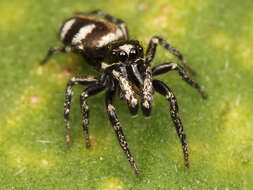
column 104, row 43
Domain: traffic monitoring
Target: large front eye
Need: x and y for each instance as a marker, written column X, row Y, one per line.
column 133, row 53
column 122, row 56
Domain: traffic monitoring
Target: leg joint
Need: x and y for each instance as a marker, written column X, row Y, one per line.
column 83, row 96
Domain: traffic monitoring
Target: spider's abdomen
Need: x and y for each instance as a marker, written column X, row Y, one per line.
column 88, row 34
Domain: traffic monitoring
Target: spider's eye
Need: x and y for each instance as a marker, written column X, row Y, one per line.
column 140, row 49
column 114, row 56
column 133, row 53
column 122, row 56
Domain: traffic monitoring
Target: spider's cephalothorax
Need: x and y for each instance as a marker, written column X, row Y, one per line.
column 104, row 43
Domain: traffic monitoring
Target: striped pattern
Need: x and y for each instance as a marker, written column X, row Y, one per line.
column 109, row 38
column 82, row 33
column 88, row 31
column 66, row 27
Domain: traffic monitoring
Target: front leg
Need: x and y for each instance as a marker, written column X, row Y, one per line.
column 150, row 54
column 163, row 89
column 118, row 129
column 68, row 97
column 163, row 68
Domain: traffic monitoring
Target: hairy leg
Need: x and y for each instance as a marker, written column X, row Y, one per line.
column 163, row 89
column 68, row 97
column 55, row 50
column 150, row 54
column 90, row 91
column 163, row 68
column 118, row 129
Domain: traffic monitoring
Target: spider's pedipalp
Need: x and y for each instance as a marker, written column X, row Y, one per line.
column 118, row 129
column 163, row 68
column 90, row 91
column 127, row 91
column 163, row 89
column 147, row 93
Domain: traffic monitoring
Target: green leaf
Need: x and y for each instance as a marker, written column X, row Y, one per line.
column 214, row 36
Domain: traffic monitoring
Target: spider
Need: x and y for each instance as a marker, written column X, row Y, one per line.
column 103, row 41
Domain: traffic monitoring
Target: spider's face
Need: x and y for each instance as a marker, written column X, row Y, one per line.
column 125, row 52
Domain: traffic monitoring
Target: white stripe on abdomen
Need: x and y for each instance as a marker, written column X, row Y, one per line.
column 104, row 40
column 82, row 33
column 66, row 28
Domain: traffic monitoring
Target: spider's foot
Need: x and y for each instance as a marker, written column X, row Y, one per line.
column 43, row 61
column 203, row 93
column 190, row 70
column 68, row 141
column 186, row 161
column 136, row 171
column 68, row 145
column 88, row 145
column 187, row 164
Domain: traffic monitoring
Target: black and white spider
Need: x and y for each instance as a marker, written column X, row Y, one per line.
column 104, row 43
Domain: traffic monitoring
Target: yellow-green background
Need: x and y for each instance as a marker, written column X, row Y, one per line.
column 215, row 36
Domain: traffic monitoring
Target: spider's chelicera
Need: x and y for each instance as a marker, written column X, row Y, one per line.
column 104, row 43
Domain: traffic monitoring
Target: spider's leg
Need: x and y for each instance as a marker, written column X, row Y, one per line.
column 90, row 91
column 127, row 92
column 122, row 25
column 118, row 129
column 150, row 54
column 163, row 68
column 163, row 89
column 53, row 51
column 68, row 97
